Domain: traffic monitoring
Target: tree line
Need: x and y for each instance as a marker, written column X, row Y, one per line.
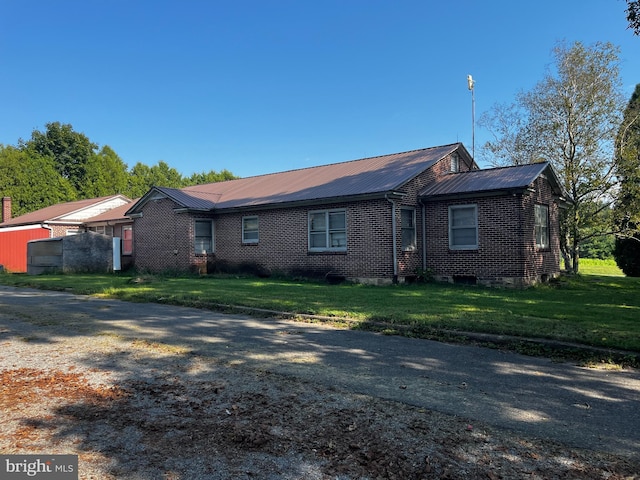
column 60, row 165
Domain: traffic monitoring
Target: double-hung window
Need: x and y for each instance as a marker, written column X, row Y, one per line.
column 328, row 231
column 463, row 227
column 408, row 227
column 250, row 232
column 203, row 238
column 542, row 226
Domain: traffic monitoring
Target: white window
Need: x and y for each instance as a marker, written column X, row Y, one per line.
column 463, row 227
column 203, row 238
column 455, row 163
column 542, row 226
column 250, row 233
column 328, row 231
column 408, row 228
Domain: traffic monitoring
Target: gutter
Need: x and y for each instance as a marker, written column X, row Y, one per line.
column 295, row 203
column 477, row 194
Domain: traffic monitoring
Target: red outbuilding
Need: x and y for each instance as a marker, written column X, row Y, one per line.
column 54, row 221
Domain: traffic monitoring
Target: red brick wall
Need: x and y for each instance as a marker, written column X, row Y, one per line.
column 506, row 250
column 283, row 242
column 540, row 263
column 63, row 230
column 410, row 261
column 163, row 240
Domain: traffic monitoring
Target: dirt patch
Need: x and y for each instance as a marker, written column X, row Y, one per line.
column 135, row 409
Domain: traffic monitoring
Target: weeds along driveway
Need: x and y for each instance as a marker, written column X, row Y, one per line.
column 581, row 407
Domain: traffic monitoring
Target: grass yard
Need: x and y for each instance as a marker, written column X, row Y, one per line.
column 600, row 307
column 593, row 266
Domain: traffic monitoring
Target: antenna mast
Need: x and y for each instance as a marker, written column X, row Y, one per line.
column 470, row 83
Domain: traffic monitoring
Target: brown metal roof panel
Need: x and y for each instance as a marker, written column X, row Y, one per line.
column 356, row 177
column 504, row 178
column 191, row 199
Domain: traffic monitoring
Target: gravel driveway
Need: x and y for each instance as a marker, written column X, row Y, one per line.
column 231, row 396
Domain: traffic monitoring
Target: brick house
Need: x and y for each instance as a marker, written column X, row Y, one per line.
column 374, row 220
column 54, row 221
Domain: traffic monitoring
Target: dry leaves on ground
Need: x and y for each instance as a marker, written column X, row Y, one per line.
column 186, row 417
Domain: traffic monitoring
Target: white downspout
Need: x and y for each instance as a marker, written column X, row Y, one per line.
column 394, row 239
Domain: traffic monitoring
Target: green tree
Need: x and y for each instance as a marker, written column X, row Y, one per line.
column 570, row 119
column 142, row 178
column 209, row 177
column 71, row 151
column 627, row 206
column 31, row 180
column 633, row 15
column 106, row 174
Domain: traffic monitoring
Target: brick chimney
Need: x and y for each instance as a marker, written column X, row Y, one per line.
column 6, row 209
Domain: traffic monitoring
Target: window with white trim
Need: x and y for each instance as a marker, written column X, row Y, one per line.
column 455, row 163
column 203, row 238
column 463, row 227
column 542, row 225
column 408, row 228
column 250, row 232
column 328, row 231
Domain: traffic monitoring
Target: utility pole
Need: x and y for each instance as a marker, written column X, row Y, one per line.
column 470, row 83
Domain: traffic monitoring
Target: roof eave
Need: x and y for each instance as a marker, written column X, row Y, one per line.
column 393, row 194
column 476, row 194
column 192, row 210
column 133, row 212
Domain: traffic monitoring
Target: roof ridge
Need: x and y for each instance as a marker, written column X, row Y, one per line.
column 334, row 163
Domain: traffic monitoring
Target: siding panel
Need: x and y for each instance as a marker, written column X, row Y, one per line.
column 13, row 247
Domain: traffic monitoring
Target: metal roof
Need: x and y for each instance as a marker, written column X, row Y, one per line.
column 55, row 212
column 493, row 179
column 374, row 175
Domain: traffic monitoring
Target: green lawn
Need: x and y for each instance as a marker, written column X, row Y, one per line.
column 591, row 266
column 600, row 309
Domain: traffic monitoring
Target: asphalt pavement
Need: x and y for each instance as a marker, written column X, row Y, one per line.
column 582, row 407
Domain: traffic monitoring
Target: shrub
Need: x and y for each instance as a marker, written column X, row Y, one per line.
column 627, row 255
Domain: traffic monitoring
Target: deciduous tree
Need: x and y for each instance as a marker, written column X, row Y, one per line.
column 570, row 119
column 70, row 151
column 106, row 174
column 209, row 177
column 31, row 181
column 633, row 15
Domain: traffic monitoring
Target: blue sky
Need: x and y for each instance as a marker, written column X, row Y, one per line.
column 263, row 86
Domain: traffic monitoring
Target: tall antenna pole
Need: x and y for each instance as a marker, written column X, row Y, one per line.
column 471, row 82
